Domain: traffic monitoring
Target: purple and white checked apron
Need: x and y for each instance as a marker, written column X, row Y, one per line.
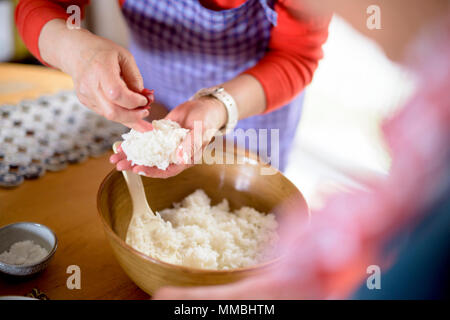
column 181, row 47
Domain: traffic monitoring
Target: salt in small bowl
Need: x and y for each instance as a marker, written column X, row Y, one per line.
column 21, row 231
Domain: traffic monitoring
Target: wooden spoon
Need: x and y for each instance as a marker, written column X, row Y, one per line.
column 137, row 192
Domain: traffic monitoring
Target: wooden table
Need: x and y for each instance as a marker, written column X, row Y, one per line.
column 66, row 202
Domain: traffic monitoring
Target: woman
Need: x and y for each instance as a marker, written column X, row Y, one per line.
column 255, row 51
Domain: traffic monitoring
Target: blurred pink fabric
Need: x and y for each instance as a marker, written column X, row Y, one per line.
column 328, row 257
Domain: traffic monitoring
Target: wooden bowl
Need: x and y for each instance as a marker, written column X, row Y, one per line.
column 242, row 184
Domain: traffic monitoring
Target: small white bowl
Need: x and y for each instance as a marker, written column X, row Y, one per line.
column 22, row 231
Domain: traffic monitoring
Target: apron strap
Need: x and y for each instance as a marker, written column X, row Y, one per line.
column 271, row 14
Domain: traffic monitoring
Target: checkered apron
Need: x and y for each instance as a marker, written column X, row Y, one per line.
column 181, row 46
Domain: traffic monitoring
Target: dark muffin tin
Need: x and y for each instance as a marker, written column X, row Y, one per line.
column 48, row 134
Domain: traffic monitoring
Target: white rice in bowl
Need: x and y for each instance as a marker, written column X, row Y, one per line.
column 196, row 234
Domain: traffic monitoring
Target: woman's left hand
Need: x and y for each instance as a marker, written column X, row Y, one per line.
column 203, row 117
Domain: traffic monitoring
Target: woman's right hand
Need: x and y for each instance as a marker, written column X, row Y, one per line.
column 105, row 75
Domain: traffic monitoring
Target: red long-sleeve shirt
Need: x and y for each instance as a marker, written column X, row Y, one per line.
column 295, row 46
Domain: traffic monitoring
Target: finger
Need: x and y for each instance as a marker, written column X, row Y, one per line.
column 176, row 115
column 141, row 125
column 130, row 118
column 149, row 94
column 120, row 159
column 171, row 116
column 117, row 157
column 116, row 113
column 124, row 164
column 154, row 172
column 151, row 172
column 130, row 72
column 116, row 90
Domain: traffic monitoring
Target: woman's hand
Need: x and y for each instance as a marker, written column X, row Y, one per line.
column 204, row 117
column 211, row 113
column 105, row 75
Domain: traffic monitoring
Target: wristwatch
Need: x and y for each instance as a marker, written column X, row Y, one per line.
column 220, row 94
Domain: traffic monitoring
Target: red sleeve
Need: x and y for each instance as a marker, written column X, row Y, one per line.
column 295, row 49
column 32, row 15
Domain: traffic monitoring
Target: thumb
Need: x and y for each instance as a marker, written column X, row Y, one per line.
column 141, row 126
